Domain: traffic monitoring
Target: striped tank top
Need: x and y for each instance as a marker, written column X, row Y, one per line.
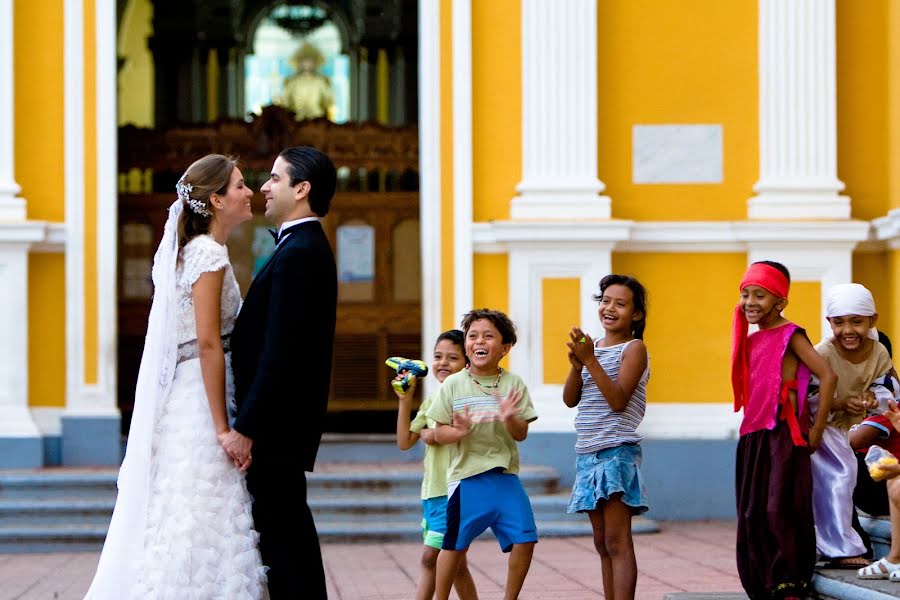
column 598, row 426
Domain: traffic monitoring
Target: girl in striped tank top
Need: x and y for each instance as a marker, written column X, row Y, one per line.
column 608, row 384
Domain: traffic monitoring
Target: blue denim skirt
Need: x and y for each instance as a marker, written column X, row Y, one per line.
column 610, row 471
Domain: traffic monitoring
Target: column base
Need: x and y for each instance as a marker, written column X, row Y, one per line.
column 21, row 452
column 93, row 440
column 560, row 206
column 798, row 206
column 12, row 209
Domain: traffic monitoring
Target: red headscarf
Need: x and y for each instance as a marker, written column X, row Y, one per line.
column 774, row 281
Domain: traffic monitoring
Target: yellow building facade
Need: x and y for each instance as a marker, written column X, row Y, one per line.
column 559, row 141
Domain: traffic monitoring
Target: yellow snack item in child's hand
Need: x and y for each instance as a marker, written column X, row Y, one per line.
column 876, row 473
column 887, row 460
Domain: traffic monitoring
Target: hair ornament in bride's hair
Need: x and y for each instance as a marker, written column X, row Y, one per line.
column 184, row 194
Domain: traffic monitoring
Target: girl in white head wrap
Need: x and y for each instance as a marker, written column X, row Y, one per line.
column 862, row 365
column 851, row 299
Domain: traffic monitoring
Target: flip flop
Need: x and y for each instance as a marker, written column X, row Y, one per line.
column 849, row 563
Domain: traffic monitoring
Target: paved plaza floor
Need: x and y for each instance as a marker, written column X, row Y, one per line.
column 681, row 557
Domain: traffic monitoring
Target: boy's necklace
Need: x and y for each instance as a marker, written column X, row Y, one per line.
column 486, row 387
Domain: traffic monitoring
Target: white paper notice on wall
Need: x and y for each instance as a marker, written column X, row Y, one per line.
column 676, row 154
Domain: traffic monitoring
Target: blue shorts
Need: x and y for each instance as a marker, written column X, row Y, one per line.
column 599, row 475
column 434, row 521
column 492, row 499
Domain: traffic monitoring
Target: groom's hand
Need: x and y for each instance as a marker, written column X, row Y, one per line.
column 238, row 446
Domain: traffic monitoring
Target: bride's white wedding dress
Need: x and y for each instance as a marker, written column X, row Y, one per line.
column 198, row 539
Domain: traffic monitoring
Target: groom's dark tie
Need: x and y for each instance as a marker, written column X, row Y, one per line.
column 274, row 235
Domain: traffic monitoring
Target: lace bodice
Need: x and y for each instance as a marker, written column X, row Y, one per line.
column 203, row 255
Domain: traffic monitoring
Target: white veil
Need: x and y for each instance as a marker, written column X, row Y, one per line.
column 116, row 572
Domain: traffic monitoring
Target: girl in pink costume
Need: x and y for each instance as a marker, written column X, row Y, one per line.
column 776, row 539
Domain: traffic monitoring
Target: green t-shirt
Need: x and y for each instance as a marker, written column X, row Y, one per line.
column 488, row 444
column 437, row 457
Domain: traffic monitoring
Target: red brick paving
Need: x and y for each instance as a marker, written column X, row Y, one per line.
column 683, row 556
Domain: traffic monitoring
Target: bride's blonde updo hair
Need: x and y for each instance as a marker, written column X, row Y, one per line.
column 205, row 177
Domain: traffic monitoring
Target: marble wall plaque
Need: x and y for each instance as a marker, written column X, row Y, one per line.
column 676, row 154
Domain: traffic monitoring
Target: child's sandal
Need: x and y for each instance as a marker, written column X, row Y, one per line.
column 880, row 569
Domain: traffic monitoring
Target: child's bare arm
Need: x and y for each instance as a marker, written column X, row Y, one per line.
column 406, row 439
column 572, row 387
column 863, row 436
column 452, row 433
column 427, row 436
column 807, row 354
column 509, row 414
column 893, row 414
column 618, row 393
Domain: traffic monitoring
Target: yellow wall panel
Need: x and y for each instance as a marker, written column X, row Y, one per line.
column 863, row 119
column 38, row 110
column 490, row 288
column 449, row 319
column 47, row 330
column 892, row 312
column 690, row 306
column 689, row 62
column 90, row 193
column 872, row 269
column 893, row 91
column 496, row 107
column 805, row 308
column 561, row 310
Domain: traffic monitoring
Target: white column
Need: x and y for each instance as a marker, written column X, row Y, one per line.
column 463, row 268
column 16, row 236
column 107, row 204
column 15, row 416
column 430, row 172
column 73, row 155
column 90, row 422
column 12, row 208
column 797, row 113
column 559, row 113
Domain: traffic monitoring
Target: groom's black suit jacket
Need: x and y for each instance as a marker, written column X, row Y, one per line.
column 282, row 350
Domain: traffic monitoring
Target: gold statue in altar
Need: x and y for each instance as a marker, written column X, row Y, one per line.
column 308, row 92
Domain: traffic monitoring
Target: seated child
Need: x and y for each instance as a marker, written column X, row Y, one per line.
column 870, row 496
column 860, row 361
column 884, row 430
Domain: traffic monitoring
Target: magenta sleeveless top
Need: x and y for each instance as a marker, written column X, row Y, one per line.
column 767, row 348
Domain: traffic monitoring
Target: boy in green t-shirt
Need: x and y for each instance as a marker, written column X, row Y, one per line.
column 449, row 357
column 482, row 412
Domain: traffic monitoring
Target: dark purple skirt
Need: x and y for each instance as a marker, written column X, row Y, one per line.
column 776, row 537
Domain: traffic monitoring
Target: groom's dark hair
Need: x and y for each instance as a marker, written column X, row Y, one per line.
column 308, row 164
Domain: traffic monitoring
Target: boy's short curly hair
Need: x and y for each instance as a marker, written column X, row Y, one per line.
column 498, row 318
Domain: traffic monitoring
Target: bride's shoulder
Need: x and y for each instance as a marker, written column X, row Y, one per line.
column 204, row 253
column 204, row 244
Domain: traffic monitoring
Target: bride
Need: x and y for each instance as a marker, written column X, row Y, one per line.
column 182, row 526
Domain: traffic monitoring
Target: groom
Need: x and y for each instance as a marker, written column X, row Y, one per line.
column 281, row 357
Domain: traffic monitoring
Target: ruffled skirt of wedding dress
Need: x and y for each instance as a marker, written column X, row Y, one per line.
column 200, row 542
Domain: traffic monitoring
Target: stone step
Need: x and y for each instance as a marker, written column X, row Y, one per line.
column 46, row 510
column 29, row 512
column 842, row 584
column 58, row 483
column 74, row 537
column 403, row 479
